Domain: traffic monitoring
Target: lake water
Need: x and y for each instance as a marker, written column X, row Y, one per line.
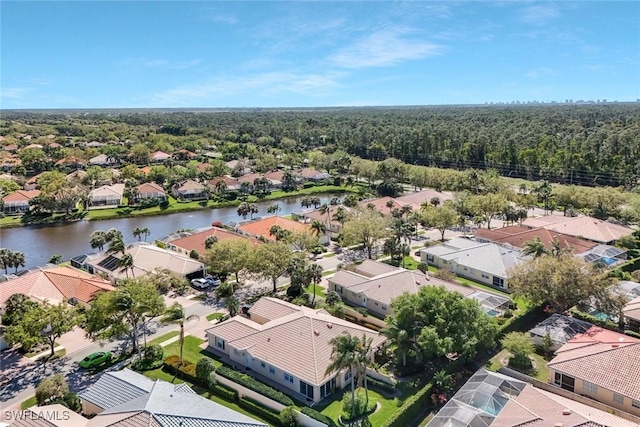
column 39, row 243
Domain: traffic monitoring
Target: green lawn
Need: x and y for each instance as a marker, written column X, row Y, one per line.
column 541, row 372
column 215, row 315
column 163, row 338
column 28, row 403
column 320, row 291
column 387, row 407
column 191, row 349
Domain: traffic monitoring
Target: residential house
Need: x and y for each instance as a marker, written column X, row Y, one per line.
column 183, row 154
column 585, row 227
column 374, row 285
column 150, row 191
column 18, row 201
column 146, row 259
column 190, row 190
column 159, row 156
column 70, row 163
column 497, row 400
column 76, row 176
column 288, row 345
column 55, row 415
column 232, row 184
column 9, row 161
column 239, row 166
column 308, row 174
column 517, row 237
column 102, row 160
column 276, row 179
column 106, row 196
column 632, row 313
column 415, row 200
column 32, row 183
column 486, row 263
column 56, row 285
column 126, row 398
column 602, row 365
column 196, row 241
column 326, row 218
column 560, row 328
column 260, row 227
column 384, row 205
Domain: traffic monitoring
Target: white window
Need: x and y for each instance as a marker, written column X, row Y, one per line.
column 589, row 387
column 618, row 398
column 288, row 377
column 635, row 403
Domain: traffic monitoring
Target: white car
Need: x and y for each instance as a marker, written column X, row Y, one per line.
column 200, row 283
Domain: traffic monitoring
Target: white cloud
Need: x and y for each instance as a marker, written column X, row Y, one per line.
column 260, row 84
column 384, row 48
column 15, row 92
column 224, row 18
column 539, row 73
column 539, row 14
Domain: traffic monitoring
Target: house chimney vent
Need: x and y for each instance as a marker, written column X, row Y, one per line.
column 566, row 411
column 558, row 425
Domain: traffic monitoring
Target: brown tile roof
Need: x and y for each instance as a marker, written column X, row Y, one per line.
column 230, row 181
column 632, row 309
column 249, row 178
column 518, row 236
column 55, row 285
column 261, row 227
column 149, row 187
column 55, row 415
column 317, row 215
column 308, row 173
column 298, row 343
column 275, row 175
column 160, row 155
column 145, row 170
column 582, row 226
column 196, row 240
column 380, row 204
column 190, row 185
column 21, row 196
column 415, row 200
column 611, row 366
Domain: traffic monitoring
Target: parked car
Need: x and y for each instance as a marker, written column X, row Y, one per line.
column 213, row 281
column 200, row 283
column 96, row 359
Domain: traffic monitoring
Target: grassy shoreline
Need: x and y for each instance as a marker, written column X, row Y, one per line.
column 174, row 207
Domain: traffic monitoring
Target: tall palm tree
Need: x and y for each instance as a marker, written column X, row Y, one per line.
column 315, row 274
column 534, row 247
column 344, row 350
column 125, row 264
column 175, row 314
column 137, row 232
column 400, row 336
column 275, row 208
column 113, row 233
column 364, row 361
column 326, row 210
column 318, row 227
column 17, row 260
column 5, row 259
column 116, row 245
column 146, row 232
column 98, row 239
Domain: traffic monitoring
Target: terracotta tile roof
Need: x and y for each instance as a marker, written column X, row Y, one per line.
column 298, row 343
column 202, row 167
column 21, row 196
column 189, row 186
column 518, row 236
column 34, row 178
column 317, row 215
column 249, row 178
column 145, row 170
column 582, row 226
column 160, row 155
column 380, row 204
column 632, row 309
column 230, row 181
column 261, row 227
column 196, row 240
column 415, row 200
column 611, row 366
column 55, row 285
column 70, row 160
column 308, row 173
column 274, row 175
column 149, row 187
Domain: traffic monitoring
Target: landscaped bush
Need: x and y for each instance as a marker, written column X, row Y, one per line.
column 224, row 392
column 318, row 416
column 385, row 387
column 411, row 408
column 632, row 333
column 255, row 385
column 288, row 417
column 204, row 369
column 260, row 410
column 308, row 184
column 187, row 370
column 361, row 406
column 144, row 364
column 154, row 353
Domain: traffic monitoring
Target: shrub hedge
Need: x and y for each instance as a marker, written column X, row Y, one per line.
column 224, row 392
column 380, row 385
column 262, row 411
column 255, row 385
column 319, row 416
column 411, row 408
column 187, row 370
column 632, row 333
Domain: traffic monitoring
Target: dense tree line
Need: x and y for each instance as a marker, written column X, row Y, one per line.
column 575, row 144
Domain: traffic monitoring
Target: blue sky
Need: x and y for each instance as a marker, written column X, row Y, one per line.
column 118, row 54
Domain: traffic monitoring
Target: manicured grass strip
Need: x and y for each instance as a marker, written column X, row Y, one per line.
column 163, row 338
column 215, row 315
column 320, row 291
column 191, row 349
column 28, row 403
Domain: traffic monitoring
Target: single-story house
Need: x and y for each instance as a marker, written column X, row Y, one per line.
column 632, row 313
column 517, row 237
column 183, row 154
column 486, row 263
column 287, row 344
column 560, row 328
column 276, row 178
column 230, row 182
column 102, row 160
column 308, row 174
column 189, row 190
column 56, row 285
column 261, row 227
column 384, row 205
column 326, row 218
column 106, row 196
column 586, row 227
column 150, row 191
column 497, row 400
column 602, row 365
column 146, row 259
column 76, row 176
column 55, row 415
column 71, row 162
column 18, row 201
column 159, row 156
column 32, row 183
column 374, row 285
column 126, row 398
column 196, row 241
column 415, row 200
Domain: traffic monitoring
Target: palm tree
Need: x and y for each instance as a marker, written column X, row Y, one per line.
column 125, row 263
column 534, row 248
column 435, row 201
column 221, row 188
column 112, row 233
column 315, row 201
column 137, row 232
column 17, row 260
column 400, row 336
column 306, row 202
column 116, row 245
column 275, row 208
column 344, row 350
column 364, row 361
column 98, row 240
column 55, row 259
column 176, row 315
column 232, row 304
column 318, row 227
column 544, row 192
column 315, row 274
column 243, row 210
column 253, row 209
column 340, row 215
column 5, row 259
column 326, row 210
column 146, row 232
column 442, row 381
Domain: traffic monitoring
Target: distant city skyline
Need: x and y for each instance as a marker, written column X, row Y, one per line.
column 278, row 54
